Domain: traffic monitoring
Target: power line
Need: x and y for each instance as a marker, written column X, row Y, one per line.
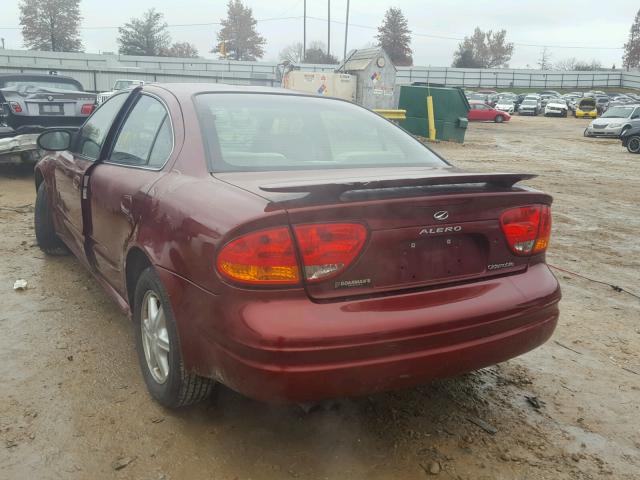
column 460, row 39
column 206, row 24
column 356, row 25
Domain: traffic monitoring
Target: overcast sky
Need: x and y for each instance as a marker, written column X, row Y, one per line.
column 559, row 23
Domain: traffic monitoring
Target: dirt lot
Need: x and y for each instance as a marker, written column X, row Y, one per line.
column 73, row 404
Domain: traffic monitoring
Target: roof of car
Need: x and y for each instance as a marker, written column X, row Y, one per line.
column 194, row 88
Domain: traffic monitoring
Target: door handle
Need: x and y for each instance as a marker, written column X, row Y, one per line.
column 125, row 206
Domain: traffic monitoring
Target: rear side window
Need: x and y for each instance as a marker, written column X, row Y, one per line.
column 263, row 132
column 92, row 135
column 145, row 138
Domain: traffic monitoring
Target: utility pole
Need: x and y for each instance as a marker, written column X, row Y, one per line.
column 346, row 32
column 328, row 27
column 304, row 33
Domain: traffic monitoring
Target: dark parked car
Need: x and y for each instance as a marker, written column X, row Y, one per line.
column 34, row 102
column 293, row 247
column 631, row 139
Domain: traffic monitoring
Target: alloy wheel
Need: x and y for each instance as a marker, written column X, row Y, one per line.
column 155, row 337
column 633, row 145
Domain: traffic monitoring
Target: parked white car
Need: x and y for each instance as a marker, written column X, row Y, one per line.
column 557, row 107
column 121, row 84
column 614, row 122
column 506, row 105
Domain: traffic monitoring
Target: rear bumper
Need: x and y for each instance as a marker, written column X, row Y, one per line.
column 24, row 124
column 288, row 348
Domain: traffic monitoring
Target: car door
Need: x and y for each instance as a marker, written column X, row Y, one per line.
column 71, row 167
column 474, row 112
column 120, row 183
column 483, row 112
column 635, row 118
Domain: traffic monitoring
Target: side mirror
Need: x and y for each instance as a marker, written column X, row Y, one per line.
column 55, row 140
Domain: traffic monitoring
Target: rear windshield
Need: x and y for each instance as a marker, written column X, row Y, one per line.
column 43, row 84
column 263, row 132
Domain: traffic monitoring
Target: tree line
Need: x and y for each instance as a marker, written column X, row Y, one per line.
column 54, row 25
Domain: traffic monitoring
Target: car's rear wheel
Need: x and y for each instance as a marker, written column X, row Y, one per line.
column 633, row 144
column 158, row 347
column 46, row 236
column 499, row 119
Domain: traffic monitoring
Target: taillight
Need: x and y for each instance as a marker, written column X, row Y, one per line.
column 527, row 229
column 268, row 257
column 265, row 257
column 87, row 108
column 15, row 107
column 327, row 249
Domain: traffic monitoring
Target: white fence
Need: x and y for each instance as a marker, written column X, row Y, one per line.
column 507, row 78
column 97, row 72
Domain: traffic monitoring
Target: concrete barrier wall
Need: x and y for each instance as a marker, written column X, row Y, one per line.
column 97, row 72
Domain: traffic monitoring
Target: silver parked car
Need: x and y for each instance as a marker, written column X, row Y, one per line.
column 33, row 102
column 614, row 122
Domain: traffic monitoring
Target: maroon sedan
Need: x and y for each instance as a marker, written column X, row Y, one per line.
column 293, row 247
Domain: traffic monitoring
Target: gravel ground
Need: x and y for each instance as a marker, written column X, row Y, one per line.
column 73, row 404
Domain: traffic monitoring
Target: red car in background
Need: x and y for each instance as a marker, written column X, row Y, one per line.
column 482, row 112
column 293, row 247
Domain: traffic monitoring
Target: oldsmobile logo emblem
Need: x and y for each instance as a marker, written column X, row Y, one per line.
column 441, row 215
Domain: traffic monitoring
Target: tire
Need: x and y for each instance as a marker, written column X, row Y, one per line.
column 499, row 119
column 633, row 144
column 586, row 133
column 624, row 130
column 159, row 352
column 46, row 236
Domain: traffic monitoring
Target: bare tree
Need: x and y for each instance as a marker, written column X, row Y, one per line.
column 294, row 53
column 566, row 64
column 484, row 50
column 51, row 25
column 544, row 62
column 592, row 65
column 144, row 36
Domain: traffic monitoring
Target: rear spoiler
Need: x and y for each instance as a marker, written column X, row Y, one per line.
column 504, row 180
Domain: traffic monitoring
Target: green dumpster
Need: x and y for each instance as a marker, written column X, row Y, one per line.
column 450, row 107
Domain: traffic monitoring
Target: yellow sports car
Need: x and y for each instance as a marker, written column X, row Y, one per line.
column 586, row 108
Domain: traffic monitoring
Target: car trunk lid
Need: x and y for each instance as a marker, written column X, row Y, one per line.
column 426, row 227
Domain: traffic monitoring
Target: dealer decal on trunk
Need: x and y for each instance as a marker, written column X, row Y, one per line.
column 363, row 282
